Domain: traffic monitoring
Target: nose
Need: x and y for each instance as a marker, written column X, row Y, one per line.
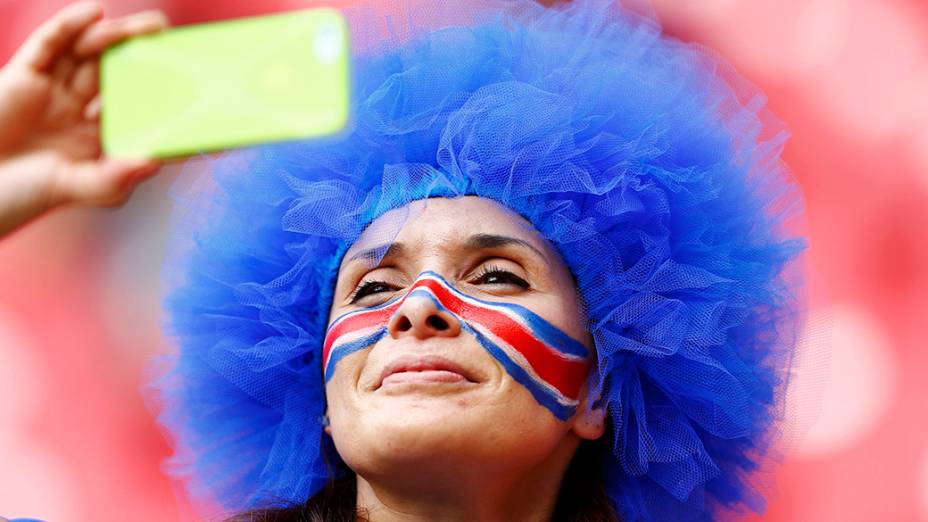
column 421, row 317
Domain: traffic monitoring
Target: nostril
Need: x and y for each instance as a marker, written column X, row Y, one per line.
column 403, row 324
column 437, row 322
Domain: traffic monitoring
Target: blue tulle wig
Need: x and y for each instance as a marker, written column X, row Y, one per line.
column 646, row 163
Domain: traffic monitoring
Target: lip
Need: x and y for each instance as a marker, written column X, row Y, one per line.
column 434, row 368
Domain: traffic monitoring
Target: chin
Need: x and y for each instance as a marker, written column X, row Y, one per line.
column 426, row 435
column 417, row 442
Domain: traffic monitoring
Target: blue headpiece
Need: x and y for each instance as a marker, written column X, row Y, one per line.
column 654, row 177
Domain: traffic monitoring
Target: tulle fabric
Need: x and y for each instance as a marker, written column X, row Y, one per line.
column 652, row 169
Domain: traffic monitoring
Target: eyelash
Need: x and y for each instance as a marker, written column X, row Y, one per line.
column 362, row 290
column 506, row 274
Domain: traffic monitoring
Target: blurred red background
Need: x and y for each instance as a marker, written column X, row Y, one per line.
column 79, row 308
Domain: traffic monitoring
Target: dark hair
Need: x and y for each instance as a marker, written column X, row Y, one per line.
column 582, row 497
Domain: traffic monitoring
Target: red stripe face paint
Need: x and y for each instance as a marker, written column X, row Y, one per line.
column 537, row 354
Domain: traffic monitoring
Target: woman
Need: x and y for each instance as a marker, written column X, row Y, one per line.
column 542, row 276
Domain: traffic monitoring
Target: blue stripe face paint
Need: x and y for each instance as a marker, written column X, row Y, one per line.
column 535, row 353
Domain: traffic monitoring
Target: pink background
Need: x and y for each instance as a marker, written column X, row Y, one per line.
column 79, row 312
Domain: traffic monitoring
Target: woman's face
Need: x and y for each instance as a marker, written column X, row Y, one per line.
column 455, row 330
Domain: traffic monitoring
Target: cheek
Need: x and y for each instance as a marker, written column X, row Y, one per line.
column 341, row 387
column 346, row 418
column 515, row 426
column 565, row 309
column 575, row 325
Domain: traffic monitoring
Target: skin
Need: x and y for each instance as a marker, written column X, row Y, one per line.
column 426, row 447
column 49, row 117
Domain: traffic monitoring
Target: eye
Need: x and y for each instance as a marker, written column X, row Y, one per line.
column 494, row 275
column 368, row 288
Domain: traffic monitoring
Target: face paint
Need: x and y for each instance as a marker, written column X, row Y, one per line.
column 540, row 356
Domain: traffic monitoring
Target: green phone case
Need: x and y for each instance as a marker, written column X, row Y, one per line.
column 206, row 87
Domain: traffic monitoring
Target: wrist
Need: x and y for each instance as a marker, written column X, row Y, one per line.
column 54, row 186
column 27, row 189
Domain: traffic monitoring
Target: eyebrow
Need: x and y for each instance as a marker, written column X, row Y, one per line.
column 477, row 241
column 380, row 252
column 494, row 241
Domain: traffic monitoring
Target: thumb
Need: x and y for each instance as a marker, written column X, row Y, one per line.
column 107, row 182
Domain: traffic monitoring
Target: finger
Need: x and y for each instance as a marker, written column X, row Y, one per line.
column 105, row 33
column 54, row 36
column 62, row 68
column 92, row 109
column 106, row 182
column 85, row 82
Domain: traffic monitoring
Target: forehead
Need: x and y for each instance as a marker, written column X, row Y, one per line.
column 431, row 223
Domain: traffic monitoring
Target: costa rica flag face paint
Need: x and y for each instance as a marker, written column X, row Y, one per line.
column 535, row 353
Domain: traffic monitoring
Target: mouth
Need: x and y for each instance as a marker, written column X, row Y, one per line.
column 424, row 369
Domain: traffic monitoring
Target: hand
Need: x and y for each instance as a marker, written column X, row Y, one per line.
column 49, row 117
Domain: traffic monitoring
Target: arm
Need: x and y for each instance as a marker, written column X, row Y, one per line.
column 49, row 117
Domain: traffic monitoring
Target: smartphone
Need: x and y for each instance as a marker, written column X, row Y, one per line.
column 227, row 84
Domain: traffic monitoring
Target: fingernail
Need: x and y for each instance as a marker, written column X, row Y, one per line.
column 146, row 19
column 86, row 8
column 151, row 14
